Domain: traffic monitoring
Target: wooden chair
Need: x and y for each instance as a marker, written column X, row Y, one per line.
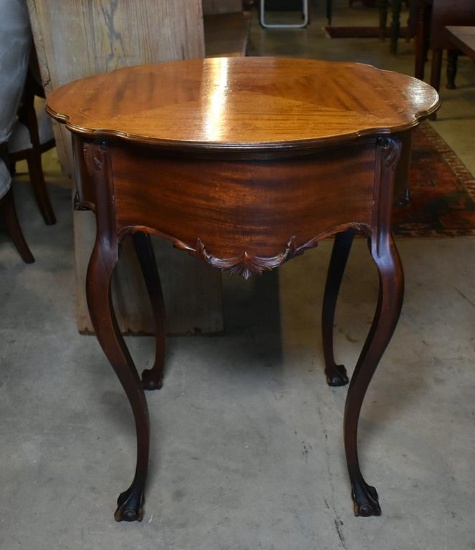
column 15, row 41
column 9, row 215
column 32, row 135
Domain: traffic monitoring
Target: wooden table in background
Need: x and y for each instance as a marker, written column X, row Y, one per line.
column 463, row 38
column 243, row 163
column 432, row 18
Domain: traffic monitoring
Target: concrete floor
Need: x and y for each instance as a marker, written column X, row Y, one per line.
column 247, row 443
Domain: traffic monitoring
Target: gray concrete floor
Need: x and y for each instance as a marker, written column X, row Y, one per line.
column 247, row 443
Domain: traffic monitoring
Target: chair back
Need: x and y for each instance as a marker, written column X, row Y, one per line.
column 5, row 179
column 15, row 42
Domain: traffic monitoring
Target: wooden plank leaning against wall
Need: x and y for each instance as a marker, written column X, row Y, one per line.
column 78, row 38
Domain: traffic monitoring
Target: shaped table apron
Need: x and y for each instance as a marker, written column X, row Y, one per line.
column 228, row 207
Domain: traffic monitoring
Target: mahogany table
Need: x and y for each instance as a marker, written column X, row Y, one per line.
column 243, row 163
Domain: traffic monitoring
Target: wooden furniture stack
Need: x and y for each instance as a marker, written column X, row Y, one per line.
column 432, row 18
column 78, row 38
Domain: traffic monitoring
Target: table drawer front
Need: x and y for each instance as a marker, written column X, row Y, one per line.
column 238, row 206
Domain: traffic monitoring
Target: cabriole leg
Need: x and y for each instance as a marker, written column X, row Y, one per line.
column 98, row 291
column 391, row 289
column 336, row 374
column 152, row 379
column 98, row 288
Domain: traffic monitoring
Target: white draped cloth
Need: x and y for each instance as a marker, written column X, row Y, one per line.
column 15, row 43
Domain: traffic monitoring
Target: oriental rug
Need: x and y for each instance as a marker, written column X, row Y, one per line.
column 360, row 32
column 442, row 191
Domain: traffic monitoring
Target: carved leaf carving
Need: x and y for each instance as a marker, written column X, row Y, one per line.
column 391, row 151
column 247, row 265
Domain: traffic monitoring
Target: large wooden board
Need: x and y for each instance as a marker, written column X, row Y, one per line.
column 78, row 38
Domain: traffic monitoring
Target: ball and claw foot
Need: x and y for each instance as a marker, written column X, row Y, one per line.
column 366, row 504
column 150, row 380
column 129, row 507
column 336, row 376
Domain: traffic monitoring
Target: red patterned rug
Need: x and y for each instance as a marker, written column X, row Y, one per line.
column 360, row 32
column 442, row 191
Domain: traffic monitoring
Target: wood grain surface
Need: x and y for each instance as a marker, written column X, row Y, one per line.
column 243, row 103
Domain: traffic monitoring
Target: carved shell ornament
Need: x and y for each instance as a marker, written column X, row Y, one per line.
column 247, row 265
column 244, row 265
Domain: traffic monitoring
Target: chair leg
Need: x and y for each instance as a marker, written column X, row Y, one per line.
column 329, row 10
column 37, row 179
column 452, row 59
column 395, row 25
column 436, row 68
column 422, row 39
column 383, row 18
column 8, row 210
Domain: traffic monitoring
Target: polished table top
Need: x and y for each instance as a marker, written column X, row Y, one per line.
column 249, row 103
column 243, row 163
